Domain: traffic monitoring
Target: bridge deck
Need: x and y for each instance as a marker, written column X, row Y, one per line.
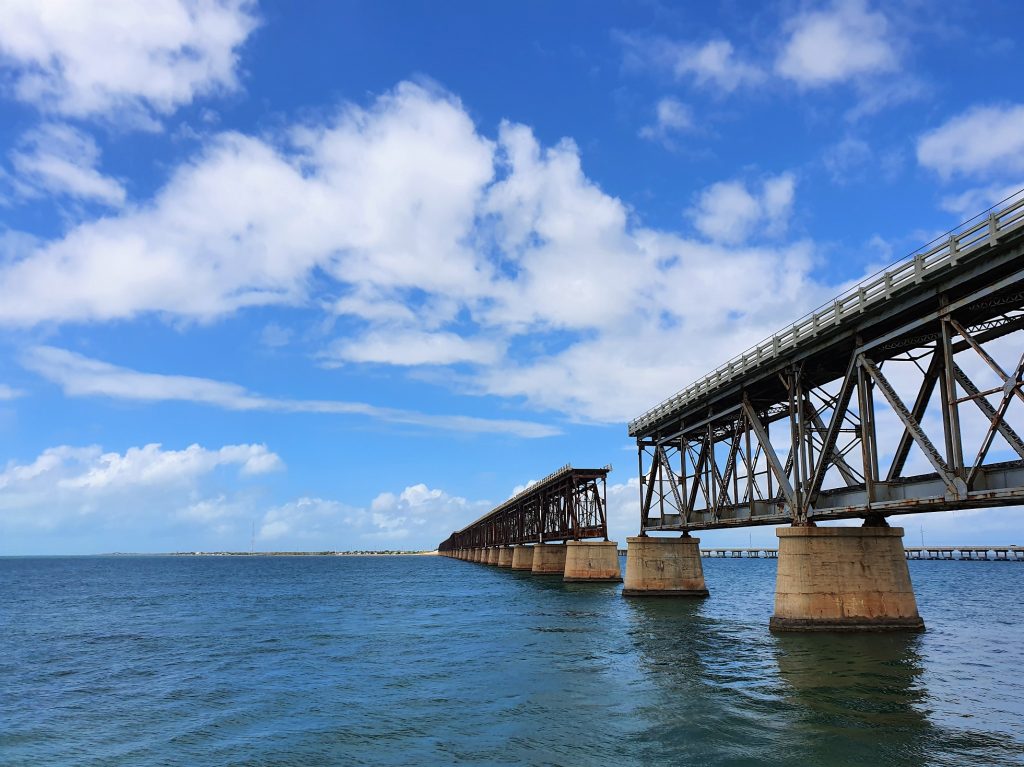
column 872, row 308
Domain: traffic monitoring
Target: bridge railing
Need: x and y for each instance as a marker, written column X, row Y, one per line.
column 982, row 230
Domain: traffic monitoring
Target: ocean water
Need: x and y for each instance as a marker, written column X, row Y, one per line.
column 432, row 661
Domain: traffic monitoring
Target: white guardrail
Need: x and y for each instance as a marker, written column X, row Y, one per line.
column 982, row 230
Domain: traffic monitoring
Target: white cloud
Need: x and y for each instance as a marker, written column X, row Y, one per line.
column 672, row 116
column 384, row 196
column 410, row 347
column 712, row 64
column 441, row 246
column 729, row 212
column 845, row 161
column 973, row 201
column 9, row 392
column 984, row 140
column 275, row 336
column 419, row 517
column 121, row 58
column 58, row 160
column 844, row 42
column 81, row 376
column 91, row 492
column 151, row 465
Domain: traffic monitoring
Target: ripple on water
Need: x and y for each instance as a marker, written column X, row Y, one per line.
column 380, row 661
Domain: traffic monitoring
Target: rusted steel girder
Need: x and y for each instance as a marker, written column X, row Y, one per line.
column 903, row 395
column 567, row 505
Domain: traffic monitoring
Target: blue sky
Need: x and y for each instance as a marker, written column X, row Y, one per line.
column 350, row 273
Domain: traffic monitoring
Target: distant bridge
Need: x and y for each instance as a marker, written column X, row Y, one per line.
column 567, row 505
column 788, row 432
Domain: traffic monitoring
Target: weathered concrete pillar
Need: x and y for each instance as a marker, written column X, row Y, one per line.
column 505, row 556
column 478, row 555
column 592, row 561
column 843, row 579
column 664, row 567
column 492, row 555
column 522, row 557
column 548, row 559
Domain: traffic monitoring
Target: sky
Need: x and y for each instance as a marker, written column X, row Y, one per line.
column 345, row 275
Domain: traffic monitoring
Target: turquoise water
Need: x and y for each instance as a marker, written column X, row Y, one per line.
column 427, row 660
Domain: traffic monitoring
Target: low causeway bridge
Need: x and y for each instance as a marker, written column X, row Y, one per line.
column 947, row 553
column 902, row 395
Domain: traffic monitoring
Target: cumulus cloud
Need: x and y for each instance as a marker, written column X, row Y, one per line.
column 671, row 117
column 729, row 212
column 834, row 45
column 9, row 392
column 121, row 58
column 711, row 64
column 58, row 160
column 973, row 201
column 410, row 347
column 984, row 140
column 440, row 246
column 81, row 376
column 72, row 499
column 151, row 465
column 418, row 517
column 379, row 196
column 90, row 468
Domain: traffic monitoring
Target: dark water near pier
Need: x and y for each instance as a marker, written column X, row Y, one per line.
column 425, row 660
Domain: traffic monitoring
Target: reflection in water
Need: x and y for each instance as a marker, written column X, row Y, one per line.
column 711, row 694
column 845, row 687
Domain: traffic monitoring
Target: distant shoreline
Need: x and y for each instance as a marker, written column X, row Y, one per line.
column 295, row 554
column 246, row 554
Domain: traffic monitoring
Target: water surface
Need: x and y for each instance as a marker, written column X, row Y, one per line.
column 427, row 660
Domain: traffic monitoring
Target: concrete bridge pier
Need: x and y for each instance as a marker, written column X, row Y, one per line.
column 504, row 556
column 492, row 556
column 664, row 567
column 843, row 579
column 592, row 561
column 522, row 557
column 478, row 555
column 548, row 559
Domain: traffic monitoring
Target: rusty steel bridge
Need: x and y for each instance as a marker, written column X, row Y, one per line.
column 567, row 505
column 898, row 396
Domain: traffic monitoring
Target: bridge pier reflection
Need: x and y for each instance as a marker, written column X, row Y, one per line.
column 849, row 688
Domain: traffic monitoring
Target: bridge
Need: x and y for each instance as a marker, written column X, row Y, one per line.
column 557, row 514
column 893, row 398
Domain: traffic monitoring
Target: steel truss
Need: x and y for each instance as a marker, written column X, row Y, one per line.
column 566, row 505
column 913, row 405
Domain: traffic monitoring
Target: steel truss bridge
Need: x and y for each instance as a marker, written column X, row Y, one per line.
column 568, row 504
column 898, row 396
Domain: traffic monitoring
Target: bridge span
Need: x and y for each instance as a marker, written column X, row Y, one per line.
column 557, row 514
column 902, row 395
column 893, row 398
